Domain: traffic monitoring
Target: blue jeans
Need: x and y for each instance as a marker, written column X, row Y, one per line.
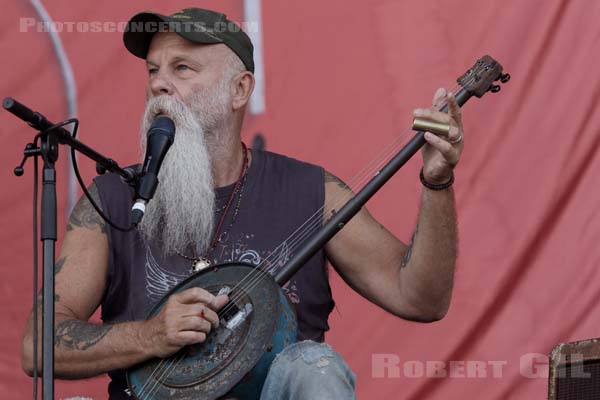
column 309, row 371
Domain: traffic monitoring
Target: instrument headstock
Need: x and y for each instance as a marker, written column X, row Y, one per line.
column 480, row 78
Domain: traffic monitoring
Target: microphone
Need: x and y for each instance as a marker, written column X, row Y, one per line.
column 159, row 139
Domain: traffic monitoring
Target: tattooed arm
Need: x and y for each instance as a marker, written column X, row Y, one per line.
column 412, row 281
column 84, row 349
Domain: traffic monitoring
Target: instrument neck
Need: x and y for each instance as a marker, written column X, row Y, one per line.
column 353, row 206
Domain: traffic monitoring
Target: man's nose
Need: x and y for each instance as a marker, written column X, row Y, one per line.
column 160, row 84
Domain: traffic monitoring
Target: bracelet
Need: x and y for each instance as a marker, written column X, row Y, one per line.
column 433, row 186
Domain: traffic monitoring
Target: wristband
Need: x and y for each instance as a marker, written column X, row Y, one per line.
column 433, row 186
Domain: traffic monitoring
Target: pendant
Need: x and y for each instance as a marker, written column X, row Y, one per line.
column 199, row 265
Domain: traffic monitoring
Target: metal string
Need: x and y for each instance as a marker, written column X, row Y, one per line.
column 296, row 238
column 315, row 220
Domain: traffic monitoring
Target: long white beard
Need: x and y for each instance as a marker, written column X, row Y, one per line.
column 180, row 216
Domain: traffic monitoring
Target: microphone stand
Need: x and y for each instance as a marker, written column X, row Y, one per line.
column 50, row 137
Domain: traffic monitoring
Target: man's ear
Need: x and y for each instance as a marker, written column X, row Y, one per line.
column 243, row 86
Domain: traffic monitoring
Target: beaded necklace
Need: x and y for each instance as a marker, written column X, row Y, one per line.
column 199, row 263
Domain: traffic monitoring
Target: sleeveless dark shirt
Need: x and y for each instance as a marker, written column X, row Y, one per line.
column 279, row 195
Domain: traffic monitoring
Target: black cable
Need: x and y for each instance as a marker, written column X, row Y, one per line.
column 35, row 274
column 87, row 193
column 75, row 121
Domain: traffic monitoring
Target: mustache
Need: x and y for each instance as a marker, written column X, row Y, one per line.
column 168, row 106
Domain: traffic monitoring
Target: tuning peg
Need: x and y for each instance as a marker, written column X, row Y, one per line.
column 495, row 88
column 505, row 78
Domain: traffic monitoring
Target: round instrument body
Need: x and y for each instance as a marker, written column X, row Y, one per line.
column 232, row 360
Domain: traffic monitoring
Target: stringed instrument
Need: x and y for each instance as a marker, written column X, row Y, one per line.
column 259, row 321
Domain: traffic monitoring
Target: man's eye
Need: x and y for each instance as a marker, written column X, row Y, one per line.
column 152, row 71
column 182, row 67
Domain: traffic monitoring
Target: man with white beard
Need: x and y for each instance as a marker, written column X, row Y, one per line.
column 219, row 201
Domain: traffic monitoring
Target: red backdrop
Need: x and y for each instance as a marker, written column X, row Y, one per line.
column 341, row 80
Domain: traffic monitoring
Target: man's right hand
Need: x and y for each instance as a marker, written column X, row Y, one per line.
column 186, row 318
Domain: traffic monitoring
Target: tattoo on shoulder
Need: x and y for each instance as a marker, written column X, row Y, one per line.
column 78, row 335
column 84, row 215
column 332, row 178
column 409, row 249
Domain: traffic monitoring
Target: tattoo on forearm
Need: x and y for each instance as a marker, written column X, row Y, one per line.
column 84, row 215
column 332, row 178
column 78, row 335
column 409, row 249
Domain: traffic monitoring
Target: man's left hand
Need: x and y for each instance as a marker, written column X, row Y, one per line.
column 442, row 153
